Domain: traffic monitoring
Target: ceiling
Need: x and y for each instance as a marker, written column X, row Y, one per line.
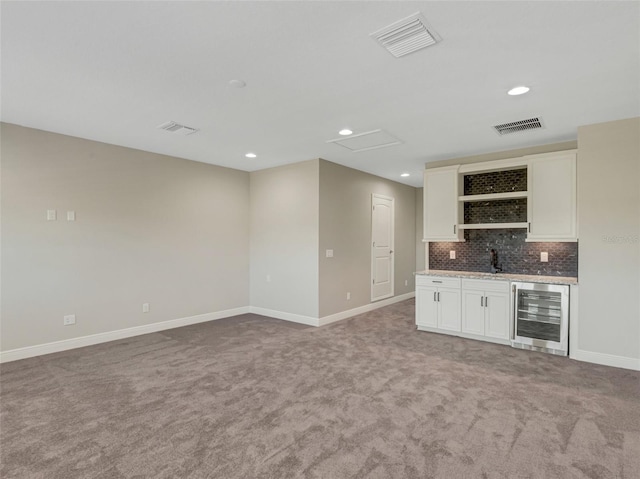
column 114, row 71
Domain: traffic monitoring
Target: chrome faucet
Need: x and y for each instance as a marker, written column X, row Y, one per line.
column 494, row 262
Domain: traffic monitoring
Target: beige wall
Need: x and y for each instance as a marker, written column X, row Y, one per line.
column 609, row 231
column 284, row 238
column 345, row 227
column 149, row 228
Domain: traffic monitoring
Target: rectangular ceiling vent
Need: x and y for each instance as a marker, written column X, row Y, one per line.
column 517, row 126
column 406, row 36
column 174, row 127
column 370, row 140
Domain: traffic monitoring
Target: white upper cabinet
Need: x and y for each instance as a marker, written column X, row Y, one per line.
column 552, row 197
column 441, row 206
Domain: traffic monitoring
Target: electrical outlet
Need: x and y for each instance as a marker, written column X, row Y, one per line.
column 452, row 254
column 145, row 307
column 71, row 215
column 329, row 253
column 69, row 319
column 406, row 282
column 544, row 257
column 51, row 215
column 348, row 295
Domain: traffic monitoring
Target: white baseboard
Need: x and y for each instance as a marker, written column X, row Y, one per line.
column 64, row 345
column 606, row 359
column 294, row 318
column 332, row 318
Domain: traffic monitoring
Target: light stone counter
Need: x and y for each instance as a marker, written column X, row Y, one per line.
column 525, row 278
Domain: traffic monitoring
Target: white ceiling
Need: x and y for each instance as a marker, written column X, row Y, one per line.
column 114, row 71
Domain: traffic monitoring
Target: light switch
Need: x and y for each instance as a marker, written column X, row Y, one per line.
column 329, row 253
column 544, row 257
column 51, row 215
column 452, row 254
column 71, row 215
column 145, row 307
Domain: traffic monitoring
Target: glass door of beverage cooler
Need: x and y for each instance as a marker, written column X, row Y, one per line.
column 541, row 319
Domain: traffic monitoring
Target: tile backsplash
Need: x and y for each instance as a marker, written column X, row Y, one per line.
column 496, row 211
column 514, row 254
column 496, row 182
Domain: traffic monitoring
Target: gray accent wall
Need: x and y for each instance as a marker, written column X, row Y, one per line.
column 284, row 238
column 609, row 235
column 345, row 227
column 149, row 229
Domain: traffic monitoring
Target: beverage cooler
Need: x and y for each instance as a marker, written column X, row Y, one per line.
column 541, row 317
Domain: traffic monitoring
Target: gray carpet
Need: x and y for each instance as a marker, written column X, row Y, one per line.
column 368, row 397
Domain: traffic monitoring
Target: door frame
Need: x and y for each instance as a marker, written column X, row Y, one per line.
column 392, row 246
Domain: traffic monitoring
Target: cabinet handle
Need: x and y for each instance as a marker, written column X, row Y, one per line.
column 438, row 297
column 454, row 229
column 486, row 301
column 529, row 228
column 481, row 300
column 434, row 281
column 434, row 296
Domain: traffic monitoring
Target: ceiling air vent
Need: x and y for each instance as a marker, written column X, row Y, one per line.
column 517, row 126
column 174, row 127
column 406, row 36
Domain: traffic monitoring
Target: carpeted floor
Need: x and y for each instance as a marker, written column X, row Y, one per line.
column 368, row 397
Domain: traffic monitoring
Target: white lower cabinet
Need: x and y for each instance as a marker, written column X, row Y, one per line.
column 449, row 309
column 426, row 306
column 478, row 309
column 438, row 303
column 485, row 308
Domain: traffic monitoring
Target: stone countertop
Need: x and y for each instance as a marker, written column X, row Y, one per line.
column 525, row 278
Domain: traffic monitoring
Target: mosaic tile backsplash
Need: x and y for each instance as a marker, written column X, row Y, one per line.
column 502, row 211
column 515, row 256
column 496, row 182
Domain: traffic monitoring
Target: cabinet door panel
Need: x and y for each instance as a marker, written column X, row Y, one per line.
column 473, row 312
column 426, row 307
column 497, row 317
column 441, row 204
column 449, row 309
column 552, row 198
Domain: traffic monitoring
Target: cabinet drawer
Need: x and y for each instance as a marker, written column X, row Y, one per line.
column 486, row 285
column 437, row 281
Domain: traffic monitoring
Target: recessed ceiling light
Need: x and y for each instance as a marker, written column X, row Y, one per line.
column 250, row 155
column 518, row 90
column 405, row 174
column 237, row 83
column 345, row 132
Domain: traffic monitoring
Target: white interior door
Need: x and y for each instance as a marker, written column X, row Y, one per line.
column 382, row 223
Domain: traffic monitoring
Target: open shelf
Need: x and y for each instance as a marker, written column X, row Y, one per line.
column 494, row 196
column 493, row 226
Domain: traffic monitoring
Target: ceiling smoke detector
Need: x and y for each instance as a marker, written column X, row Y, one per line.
column 518, row 126
column 407, row 35
column 174, row 127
